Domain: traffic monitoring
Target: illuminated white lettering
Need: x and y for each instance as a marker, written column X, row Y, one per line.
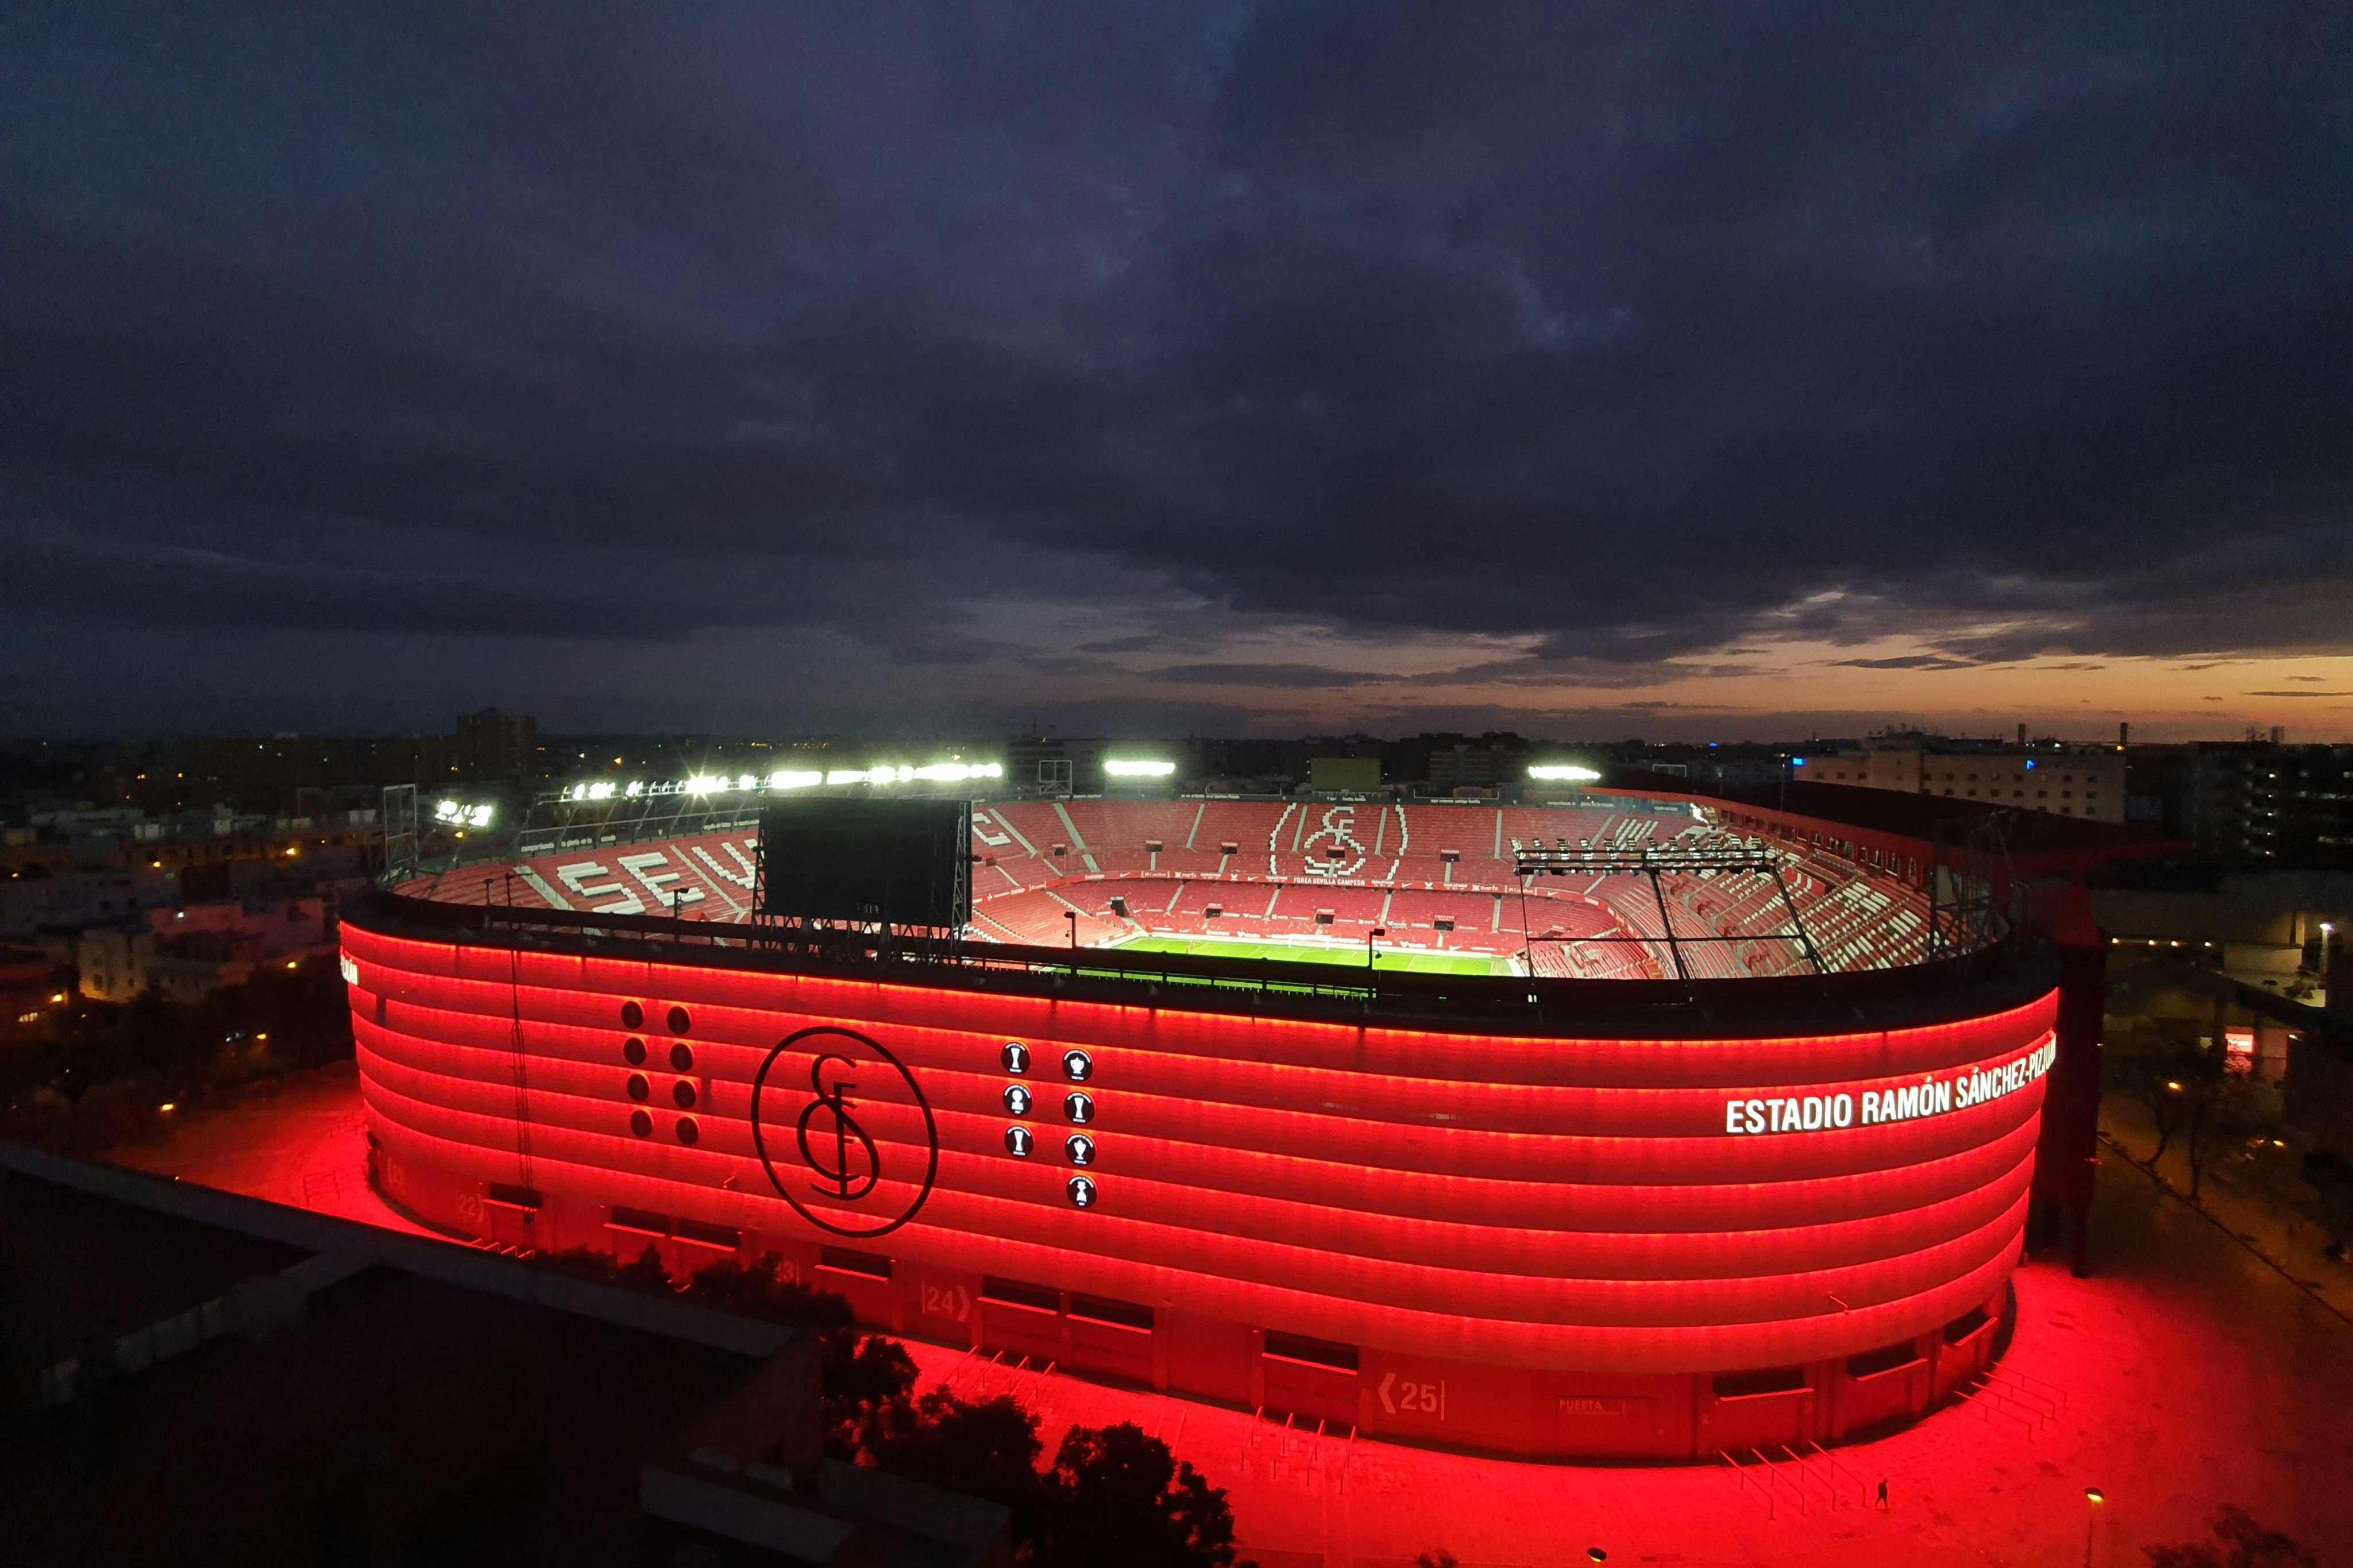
column 1932, row 1097
column 741, row 877
column 576, row 877
column 641, row 866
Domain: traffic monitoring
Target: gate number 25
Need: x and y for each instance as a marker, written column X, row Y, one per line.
column 1429, row 1398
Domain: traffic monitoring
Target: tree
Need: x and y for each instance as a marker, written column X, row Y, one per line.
column 1121, row 1496
column 2239, row 1542
column 986, row 1449
column 861, row 1371
column 2160, row 1082
column 1114, row 1495
column 2227, row 1112
column 647, row 1273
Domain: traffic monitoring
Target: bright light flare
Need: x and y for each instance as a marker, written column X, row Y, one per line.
column 1137, row 768
column 1561, row 773
column 930, row 773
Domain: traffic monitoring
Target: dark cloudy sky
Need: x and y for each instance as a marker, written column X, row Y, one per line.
column 1592, row 368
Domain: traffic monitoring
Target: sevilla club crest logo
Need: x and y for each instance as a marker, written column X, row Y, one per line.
column 844, row 1131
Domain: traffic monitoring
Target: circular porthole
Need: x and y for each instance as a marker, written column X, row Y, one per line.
column 682, row 1059
column 1079, row 1107
column 687, row 1130
column 683, row 1092
column 678, row 1021
column 641, row 1124
column 1015, row 1057
column 1017, row 1143
column 1082, row 1193
column 1078, row 1067
column 639, row 1088
column 1079, row 1148
column 632, row 1015
column 1017, row 1100
column 634, row 1052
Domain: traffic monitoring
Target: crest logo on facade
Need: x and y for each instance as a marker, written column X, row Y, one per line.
column 817, row 1106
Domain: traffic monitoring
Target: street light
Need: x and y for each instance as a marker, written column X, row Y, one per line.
column 2094, row 1497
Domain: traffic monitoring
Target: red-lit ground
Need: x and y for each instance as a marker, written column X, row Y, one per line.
column 2196, row 1375
column 296, row 1140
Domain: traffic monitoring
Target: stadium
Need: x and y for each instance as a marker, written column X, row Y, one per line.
column 1621, row 1127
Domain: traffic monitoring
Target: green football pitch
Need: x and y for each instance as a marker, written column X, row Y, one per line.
column 1351, row 957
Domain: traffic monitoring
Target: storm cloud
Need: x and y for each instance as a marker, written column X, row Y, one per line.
column 894, row 362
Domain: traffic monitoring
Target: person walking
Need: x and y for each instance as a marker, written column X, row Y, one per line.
column 1882, row 1494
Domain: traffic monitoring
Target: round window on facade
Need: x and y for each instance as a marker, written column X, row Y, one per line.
column 1079, row 1148
column 632, row 1015
column 1079, row 1107
column 1017, row 1100
column 1078, row 1067
column 639, row 1088
column 678, row 1021
column 1017, row 1143
column 634, row 1052
column 683, row 1092
column 682, row 1059
column 1082, row 1193
column 687, row 1130
column 641, row 1124
column 1015, row 1057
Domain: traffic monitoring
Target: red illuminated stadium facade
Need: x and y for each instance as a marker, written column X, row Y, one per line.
column 1626, row 1197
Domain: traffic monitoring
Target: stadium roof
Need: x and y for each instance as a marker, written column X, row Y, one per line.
column 2037, row 840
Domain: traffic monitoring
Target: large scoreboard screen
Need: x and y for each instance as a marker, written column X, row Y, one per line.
column 889, row 862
